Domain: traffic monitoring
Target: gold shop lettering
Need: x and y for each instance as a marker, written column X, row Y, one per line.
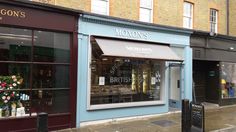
column 131, row 34
column 12, row 13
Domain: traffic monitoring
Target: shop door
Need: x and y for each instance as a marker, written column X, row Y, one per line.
column 175, row 84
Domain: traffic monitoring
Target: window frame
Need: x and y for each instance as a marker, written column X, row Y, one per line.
column 107, row 8
column 215, row 23
column 31, row 62
column 188, row 17
column 146, row 8
column 90, row 107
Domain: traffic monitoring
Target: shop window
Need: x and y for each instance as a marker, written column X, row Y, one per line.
column 117, row 80
column 15, row 44
column 34, row 73
column 145, row 12
column 213, row 20
column 100, row 7
column 228, row 80
column 51, row 47
column 188, row 15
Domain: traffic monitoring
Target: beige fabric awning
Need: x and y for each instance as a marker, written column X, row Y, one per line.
column 121, row 48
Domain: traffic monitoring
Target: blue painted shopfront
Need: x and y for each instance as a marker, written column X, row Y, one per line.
column 92, row 25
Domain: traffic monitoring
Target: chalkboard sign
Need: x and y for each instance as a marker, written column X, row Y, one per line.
column 197, row 118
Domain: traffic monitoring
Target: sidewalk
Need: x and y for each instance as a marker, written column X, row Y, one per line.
column 220, row 119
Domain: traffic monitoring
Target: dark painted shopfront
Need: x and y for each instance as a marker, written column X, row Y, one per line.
column 214, row 68
column 38, row 64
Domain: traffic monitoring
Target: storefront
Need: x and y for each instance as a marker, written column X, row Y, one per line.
column 214, row 68
column 38, row 49
column 129, row 68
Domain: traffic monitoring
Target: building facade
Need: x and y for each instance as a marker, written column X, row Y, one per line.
column 232, row 17
column 129, row 68
column 126, row 68
column 214, row 68
column 37, row 64
column 165, row 12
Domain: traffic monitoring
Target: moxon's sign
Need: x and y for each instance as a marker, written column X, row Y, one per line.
column 12, row 13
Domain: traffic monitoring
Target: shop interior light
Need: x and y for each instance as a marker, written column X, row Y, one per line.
column 16, row 36
column 117, row 59
column 104, row 59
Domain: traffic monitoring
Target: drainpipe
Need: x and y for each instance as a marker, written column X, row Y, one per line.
column 227, row 17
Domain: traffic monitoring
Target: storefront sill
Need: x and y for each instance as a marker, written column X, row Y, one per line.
column 229, row 98
column 124, row 105
column 32, row 116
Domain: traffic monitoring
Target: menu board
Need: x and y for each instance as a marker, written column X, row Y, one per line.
column 197, row 116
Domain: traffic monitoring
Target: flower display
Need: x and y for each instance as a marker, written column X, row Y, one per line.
column 9, row 86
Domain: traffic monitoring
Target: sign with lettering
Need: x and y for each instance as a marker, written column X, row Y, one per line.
column 132, row 34
column 101, row 80
column 11, row 13
column 140, row 50
column 29, row 17
column 120, row 80
column 197, row 117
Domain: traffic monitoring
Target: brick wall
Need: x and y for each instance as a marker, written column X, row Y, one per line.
column 168, row 12
column 165, row 12
column 75, row 4
column 128, row 9
column 232, row 18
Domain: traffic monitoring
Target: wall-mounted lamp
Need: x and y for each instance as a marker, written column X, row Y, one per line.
column 231, row 48
column 213, row 34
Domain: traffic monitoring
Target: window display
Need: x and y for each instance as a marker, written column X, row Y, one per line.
column 228, row 80
column 34, row 73
column 123, row 80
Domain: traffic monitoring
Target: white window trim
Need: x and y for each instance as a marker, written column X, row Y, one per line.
column 216, row 22
column 108, row 7
column 152, row 7
column 123, row 105
column 191, row 17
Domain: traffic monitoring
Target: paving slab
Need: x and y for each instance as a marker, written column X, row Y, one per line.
column 220, row 119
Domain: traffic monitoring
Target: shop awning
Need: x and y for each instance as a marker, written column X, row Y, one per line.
column 121, row 48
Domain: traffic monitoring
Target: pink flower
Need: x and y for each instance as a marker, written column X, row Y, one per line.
column 3, row 97
column 5, row 101
column 4, row 84
column 8, row 97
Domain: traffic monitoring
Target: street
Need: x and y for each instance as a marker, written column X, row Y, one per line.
column 217, row 119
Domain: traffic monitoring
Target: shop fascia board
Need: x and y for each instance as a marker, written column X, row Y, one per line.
column 205, row 34
column 96, row 18
column 212, row 43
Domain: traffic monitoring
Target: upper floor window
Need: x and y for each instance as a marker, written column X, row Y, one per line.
column 188, row 15
column 100, row 7
column 145, row 13
column 213, row 20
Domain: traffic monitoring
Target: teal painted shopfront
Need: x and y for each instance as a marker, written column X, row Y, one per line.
column 128, row 68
